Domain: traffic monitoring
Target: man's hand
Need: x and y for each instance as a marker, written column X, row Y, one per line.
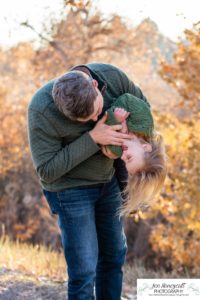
column 107, row 152
column 104, row 134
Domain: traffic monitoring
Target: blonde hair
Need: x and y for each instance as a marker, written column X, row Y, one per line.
column 143, row 186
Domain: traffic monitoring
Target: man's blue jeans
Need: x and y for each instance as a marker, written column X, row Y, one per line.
column 93, row 239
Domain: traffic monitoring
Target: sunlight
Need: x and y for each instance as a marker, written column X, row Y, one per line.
column 172, row 17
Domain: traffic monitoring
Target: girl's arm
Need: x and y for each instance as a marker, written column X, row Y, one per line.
column 121, row 115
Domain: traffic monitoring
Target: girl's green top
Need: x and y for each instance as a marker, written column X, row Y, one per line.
column 140, row 120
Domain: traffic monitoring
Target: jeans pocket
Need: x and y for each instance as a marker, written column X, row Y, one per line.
column 76, row 201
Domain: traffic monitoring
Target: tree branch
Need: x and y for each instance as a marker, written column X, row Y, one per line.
column 54, row 44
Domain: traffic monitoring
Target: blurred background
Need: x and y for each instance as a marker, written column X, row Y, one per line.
column 158, row 45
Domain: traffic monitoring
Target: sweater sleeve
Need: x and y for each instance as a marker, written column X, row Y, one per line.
column 51, row 160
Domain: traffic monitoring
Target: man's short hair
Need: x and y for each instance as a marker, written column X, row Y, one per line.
column 74, row 95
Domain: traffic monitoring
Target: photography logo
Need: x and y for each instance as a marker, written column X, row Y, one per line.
column 168, row 289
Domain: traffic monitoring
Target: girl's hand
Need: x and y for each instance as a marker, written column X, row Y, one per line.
column 121, row 114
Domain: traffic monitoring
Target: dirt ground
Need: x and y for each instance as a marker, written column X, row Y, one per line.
column 15, row 285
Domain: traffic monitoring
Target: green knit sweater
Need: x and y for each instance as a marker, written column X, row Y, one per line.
column 63, row 152
column 140, row 120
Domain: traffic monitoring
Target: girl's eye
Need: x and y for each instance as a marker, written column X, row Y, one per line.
column 129, row 157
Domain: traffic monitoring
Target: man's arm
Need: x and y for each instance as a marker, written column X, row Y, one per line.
column 51, row 160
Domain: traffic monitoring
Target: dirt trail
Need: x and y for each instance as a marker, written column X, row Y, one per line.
column 15, row 285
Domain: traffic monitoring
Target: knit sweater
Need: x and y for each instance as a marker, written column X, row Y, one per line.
column 139, row 121
column 63, row 152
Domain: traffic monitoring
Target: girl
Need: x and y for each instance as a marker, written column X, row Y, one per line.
column 144, row 154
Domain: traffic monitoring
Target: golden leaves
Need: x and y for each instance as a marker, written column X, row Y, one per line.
column 179, row 203
column 77, row 3
column 184, row 74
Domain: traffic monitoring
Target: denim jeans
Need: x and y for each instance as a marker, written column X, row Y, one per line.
column 93, row 239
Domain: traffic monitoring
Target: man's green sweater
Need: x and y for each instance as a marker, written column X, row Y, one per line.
column 63, row 152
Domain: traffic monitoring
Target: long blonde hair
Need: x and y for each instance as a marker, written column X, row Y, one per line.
column 143, row 186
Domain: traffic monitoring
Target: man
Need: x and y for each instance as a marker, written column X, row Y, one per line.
column 66, row 125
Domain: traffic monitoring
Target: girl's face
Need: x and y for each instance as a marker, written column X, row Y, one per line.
column 134, row 154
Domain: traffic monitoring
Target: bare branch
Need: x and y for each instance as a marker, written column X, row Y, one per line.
column 54, row 44
column 26, row 24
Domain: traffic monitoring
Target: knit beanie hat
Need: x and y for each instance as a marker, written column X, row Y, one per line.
column 139, row 121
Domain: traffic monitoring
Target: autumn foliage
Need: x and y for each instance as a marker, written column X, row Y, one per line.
column 177, row 238
column 174, row 237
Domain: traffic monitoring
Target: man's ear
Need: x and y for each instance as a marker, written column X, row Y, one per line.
column 147, row 147
column 95, row 83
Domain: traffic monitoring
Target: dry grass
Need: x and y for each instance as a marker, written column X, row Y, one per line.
column 137, row 270
column 40, row 261
column 36, row 260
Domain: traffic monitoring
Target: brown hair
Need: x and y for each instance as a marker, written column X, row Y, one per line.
column 74, row 95
column 143, row 186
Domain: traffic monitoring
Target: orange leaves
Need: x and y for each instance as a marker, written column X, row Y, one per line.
column 179, row 203
column 184, row 74
column 77, row 3
column 176, row 246
column 12, row 141
column 195, row 226
column 24, row 232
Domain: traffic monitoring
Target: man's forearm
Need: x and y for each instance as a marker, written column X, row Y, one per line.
column 50, row 158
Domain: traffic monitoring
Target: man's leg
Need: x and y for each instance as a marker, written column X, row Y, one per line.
column 112, row 243
column 75, row 210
